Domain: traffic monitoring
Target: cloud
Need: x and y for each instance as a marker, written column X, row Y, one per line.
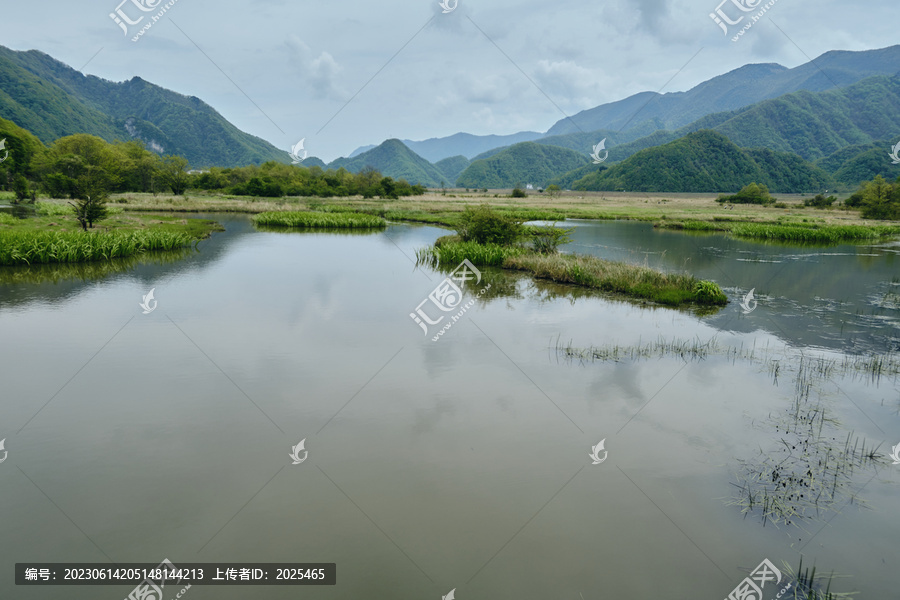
column 319, row 72
column 565, row 81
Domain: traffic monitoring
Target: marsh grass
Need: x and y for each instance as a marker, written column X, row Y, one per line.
column 809, row 471
column 88, row 271
column 636, row 281
column 7, row 219
column 453, row 253
column 315, row 219
column 813, row 233
column 42, row 247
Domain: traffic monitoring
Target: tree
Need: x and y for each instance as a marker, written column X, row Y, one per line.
column 554, row 191
column 880, row 199
column 518, row 191
column 21, row 188
column 92, row 190
column 172, row 173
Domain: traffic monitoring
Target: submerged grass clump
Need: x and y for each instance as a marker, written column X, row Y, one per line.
column 809, row 469
column 44, row 247
column 313, row 219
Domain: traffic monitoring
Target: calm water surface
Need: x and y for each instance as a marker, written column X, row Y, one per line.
column 462, row 463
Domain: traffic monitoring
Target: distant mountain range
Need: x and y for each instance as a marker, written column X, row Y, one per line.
column 641, row 114
column 52, row 100
column 823, row 124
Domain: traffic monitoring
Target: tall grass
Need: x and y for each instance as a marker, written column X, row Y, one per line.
column 822, row 234
column 453, row 253
column 7, row 219
column 44, row 247
column 319, row 219
column 52, row 209
column 631, row 280
column 793, row 232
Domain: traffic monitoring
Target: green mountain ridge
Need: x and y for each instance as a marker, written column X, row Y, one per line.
column 522, row 163
column 707, row 161
column 52, row 100
column 394, row 159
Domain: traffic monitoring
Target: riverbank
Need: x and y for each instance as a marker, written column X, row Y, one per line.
column 442, row 209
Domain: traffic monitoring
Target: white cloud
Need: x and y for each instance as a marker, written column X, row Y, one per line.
column 319, row 73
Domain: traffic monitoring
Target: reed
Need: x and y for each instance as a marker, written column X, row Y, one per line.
column 636, row 281
column 44, row 247
column 454, row 252
column 315, row 219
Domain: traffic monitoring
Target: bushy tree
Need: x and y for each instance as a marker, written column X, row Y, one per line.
column 753, row 193
column 554, row 191
column 172, row 172
column 92, row 190
column 819, row 201
column 880, row 199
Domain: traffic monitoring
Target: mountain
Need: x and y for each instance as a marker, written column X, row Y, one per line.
column 452, row 167
column 521, row 163
column 733, row 90
column 854, row 164
column 53, row 100
column 707, row 161
column 393, row 159
column 814, row 125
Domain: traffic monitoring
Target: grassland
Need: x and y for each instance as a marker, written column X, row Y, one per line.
column 56, row 237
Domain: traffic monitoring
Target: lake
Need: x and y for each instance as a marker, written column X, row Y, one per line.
column 462, row 463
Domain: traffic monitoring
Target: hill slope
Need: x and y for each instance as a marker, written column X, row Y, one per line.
column 706, row 161
column 741, row 87
column 53, row 100
column 522, row 163
column 393, row 159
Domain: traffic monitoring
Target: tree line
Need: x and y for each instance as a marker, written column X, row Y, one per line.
column 82, row 167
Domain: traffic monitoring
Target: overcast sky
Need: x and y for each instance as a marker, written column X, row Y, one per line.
column 344, row 73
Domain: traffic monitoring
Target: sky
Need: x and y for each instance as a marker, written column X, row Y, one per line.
column 345, row 73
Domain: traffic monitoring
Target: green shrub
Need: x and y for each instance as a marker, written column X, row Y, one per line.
column 750, row 194
column 818, row 201
column 484, row 225
column 546, row 240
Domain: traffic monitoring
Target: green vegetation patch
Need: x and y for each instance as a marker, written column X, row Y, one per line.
column 618, row 277
column 313, row 219
column 804, row 233
column 18, row 247
column 454, row 252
